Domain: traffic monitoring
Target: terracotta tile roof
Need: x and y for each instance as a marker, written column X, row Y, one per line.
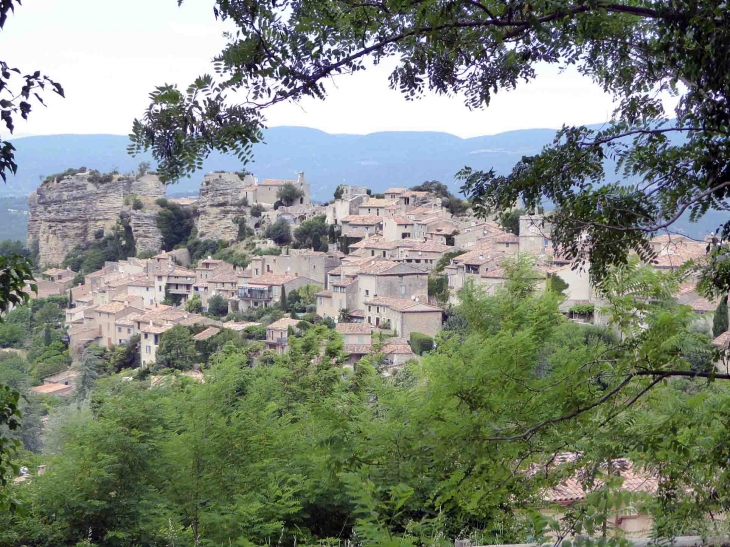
column 353, row 328
column 722, row 341
column 394, row 191
column 154, row 329
column 357, row 349
column 362, row 220
column 430, row 246
column 112, row 307
column 195, row 319
column 270, row 279
column 181, row 272
column 124, row 322
column 377, row 266
column 225, row 277
column 703, row 305
column 211, row 261
column 368, row 240
column 573, row 489
column 344, row 282
column 324, row 294
column 335, row 271
column 401, row 220
column 141, row 282
column 506, row 238
column 401, row 304
column 357, row 313
column 210, row 332
column 400, row 349
column 377, row 202
column 283, row 324
column 477, row 257
column 240, row 326
column 379, row 243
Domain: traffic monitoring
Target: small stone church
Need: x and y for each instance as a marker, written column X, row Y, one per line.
column 265, row 192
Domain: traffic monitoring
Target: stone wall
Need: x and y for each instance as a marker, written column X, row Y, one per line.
column 219, row 205
column 65, row 213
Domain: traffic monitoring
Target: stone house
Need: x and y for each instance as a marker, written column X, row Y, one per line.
column 397, row 228
column 266, row 290
column 143, row 287
column 63, row 278
column 403, row 315
column 397, row 352
column 277, row 334
column 178, row 281
column 473, row 231
column 394, row 194
column 375, row 206
column 361, row 225
column 341, row 295
column 106, row 317
column 341, row 208
column 266, row 191
column 390, row 279
column 422, row 254
column 434, row 228
column 209, row 268
column 474, row 264
column 300, row 262
column 225, row 283
column 357, row 340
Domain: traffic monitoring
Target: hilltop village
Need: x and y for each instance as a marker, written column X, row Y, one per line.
column 260, row 258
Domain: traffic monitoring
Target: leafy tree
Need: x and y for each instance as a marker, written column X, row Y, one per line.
column 279, row 232
column 175, row 222
column 137, row 204
column 194, row 304
column 12, row 248
column 311, row 234
column 720, row 320
column 177, row 349
column 113, row 247
column 143, row 169
column 89, row 369
column 446, row 259
column 218, row 306
column 438, row 288
column 256, row 210
column 339, row 191
column 510, row 220
column 289, row 194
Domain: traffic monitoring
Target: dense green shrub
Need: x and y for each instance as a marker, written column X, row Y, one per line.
column 421, row 343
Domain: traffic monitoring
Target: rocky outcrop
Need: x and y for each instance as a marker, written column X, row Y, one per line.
column 147, row 236
column 221, row 202
column 67, row 212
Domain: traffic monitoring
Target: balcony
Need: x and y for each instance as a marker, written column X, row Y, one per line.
column 250, row 292
column 277, row 341
column 179, row 288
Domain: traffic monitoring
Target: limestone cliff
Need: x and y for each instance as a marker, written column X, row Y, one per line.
column 66, row 212
column 220, row 203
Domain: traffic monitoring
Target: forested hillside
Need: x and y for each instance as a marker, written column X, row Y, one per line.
column 297, row 449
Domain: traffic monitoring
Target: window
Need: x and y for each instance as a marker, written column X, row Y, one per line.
column 157, row 339
column 129, row 331
column 119, row 329
column 383, row 253
column 146, row 336
column 402, row 290
column 160, row 288
column 367, row 292
column 321, row 300
column 359, row 339
column 330, row 302
column 159, row 278
column 372, row 253
column 148, row 349
column 147, row 289
column 370, row 308
column 276, row 291
column 546, row 242
column 507, row 244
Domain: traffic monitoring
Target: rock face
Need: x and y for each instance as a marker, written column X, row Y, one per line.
column 147, row 236
column 65, row 213
column 219, row 205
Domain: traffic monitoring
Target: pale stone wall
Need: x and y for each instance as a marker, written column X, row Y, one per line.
column 425, row 322
column 221, row 202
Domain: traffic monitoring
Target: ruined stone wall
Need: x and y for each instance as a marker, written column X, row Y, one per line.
column 65, row 213
column 220, row 204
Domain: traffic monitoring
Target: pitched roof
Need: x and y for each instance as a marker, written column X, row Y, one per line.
column 240, row 326
column 50, row 389
column 362, row 220
column 722, row 341
column 56, row 271
column 324, row 294
column 394, row 191
column 207, row 333
column 270, row 279
column 399, row 349
column 402, row 304
column 377, row 202
column 574, row 489
column 353, row 328
column 357, row 349
column 401, row 220
column 377, row 266
column 430, row 246
column 283, row 324
column 112, row 307
column 506, row 238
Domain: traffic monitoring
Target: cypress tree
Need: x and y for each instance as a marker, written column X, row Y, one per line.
column 720, row 322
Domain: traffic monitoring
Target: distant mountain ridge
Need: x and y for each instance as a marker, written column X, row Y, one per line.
column 377, row 160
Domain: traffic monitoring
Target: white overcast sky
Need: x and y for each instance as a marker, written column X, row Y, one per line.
column 109, row 54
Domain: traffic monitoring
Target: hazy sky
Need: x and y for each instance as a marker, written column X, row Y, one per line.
column 109, row 54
